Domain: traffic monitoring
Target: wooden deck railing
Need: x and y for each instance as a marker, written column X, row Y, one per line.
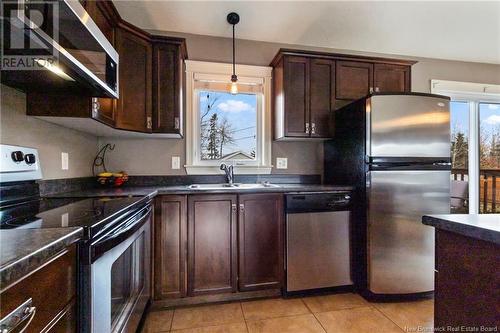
column 489, row 182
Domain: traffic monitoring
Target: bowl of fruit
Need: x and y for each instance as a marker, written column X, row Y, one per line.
column 114, row 179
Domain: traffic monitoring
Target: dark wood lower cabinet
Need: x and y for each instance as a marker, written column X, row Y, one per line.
column 212, row 252
column 260, row 228
column 53, row 290
column 208, row 247
column 467, row 280
column 170, row 241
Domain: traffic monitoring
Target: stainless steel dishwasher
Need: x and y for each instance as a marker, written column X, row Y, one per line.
column 318, row 251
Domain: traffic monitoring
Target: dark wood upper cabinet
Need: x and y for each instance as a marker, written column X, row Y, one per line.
column 133, row 108
column 309, row 86
column 104, row 15
column 391, row 78
column 168, row 81
column 212, row 252
column 322, row 96
column 296, row 96
column 260, row 227
column 354, row 79
column 170, row 240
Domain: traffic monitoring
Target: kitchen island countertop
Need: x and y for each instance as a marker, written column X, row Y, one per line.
column 24, row 250
column 479, row 226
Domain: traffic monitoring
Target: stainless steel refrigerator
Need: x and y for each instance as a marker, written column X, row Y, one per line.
column 395, row 150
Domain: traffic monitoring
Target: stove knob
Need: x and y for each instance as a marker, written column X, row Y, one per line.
column 17, row 156
column 30, row 158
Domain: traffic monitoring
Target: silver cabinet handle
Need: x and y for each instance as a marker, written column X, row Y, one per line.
column 149, row 123
column 377, row 89
column 22, row 314
column 177, row 123
column 313, row 128
column 242, row 207
column 95, row 105
column 371, row 90
column 234, row 207
column 307, row 128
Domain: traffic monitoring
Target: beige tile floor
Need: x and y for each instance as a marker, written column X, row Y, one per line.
column 341, row 313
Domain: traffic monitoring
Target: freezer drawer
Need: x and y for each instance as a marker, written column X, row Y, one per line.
column 400, row 247
column 318, row 250
column 407, row 126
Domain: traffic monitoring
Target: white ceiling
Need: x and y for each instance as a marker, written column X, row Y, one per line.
column 468, row 31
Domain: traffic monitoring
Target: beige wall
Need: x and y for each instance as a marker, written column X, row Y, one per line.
column 153, row 157
column 18, row 129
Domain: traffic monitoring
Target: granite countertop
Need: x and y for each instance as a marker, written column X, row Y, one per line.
column 480, row 226
column 24, row 250
column 152, row 191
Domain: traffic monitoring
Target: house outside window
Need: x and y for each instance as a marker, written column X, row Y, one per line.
column 226, row 128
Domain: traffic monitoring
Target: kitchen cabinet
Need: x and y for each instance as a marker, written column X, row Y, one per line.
column 52, row 289
column 321, row 96
column 168, row 81
column 391, row 78
column 104, row 15
column 305, row 88
column 207, row 244
column 309, row 86
column 170, row 237
column 354, row 79
column 212, row 251
column 260, row 239
column 133, row 108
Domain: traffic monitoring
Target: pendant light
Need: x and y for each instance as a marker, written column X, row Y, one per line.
column 233, row 19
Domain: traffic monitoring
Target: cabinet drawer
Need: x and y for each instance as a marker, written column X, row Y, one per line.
column 52, row 287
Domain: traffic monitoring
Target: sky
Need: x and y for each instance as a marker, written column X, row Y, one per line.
column 489, row 116
column 240, row 111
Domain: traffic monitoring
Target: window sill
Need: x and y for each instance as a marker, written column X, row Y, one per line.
column 238, row 170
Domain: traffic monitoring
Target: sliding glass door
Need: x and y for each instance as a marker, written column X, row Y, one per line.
column 489, row 158
column 475, row 155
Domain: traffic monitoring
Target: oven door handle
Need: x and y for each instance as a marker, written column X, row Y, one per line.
column 119, row 234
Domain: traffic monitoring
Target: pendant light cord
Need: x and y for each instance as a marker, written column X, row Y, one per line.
column 234, row 54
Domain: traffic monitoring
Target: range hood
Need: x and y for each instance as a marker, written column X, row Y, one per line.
column 54, row 46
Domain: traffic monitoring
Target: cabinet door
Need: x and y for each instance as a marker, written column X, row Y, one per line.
column 170, row 242
column 391, row 78
column 211, row 244
column 167, row 85
column 353, row 79
column 134, row 105
column 296, row 87
column 322, row 96
column 260, row 240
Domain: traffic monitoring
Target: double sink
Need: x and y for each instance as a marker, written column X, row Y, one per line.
column 235, row 186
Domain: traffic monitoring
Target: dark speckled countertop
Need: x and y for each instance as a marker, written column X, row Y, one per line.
column 184, row 189
column 480, row 226
column 24, row 250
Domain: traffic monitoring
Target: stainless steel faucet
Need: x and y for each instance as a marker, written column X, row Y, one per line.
column 229, row 173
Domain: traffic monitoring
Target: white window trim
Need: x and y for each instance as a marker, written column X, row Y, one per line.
column 473, row 93
column 196, row 70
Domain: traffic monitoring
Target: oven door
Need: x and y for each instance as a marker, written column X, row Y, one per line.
column 120, row 275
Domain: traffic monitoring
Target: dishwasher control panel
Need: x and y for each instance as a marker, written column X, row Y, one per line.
column 318, row 202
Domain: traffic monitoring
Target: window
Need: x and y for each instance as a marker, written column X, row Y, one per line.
column 226, row 128
column 475, row 145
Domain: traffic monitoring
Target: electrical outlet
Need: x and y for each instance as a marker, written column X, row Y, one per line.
column 64, row 161
column 176, row 162
column 281, row 163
